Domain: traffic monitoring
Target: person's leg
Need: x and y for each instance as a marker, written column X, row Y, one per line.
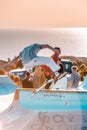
column 43, row 61
column 49, row 62
column 31, row 64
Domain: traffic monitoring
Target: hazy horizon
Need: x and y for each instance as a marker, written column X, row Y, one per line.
column 72, row 41
column 25, row 22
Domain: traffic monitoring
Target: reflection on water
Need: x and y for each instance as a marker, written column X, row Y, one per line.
column 73, row 41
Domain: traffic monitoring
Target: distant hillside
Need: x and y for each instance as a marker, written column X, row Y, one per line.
column 77, row 60
column 3, row 63
column 13, row 64
column 7, row 66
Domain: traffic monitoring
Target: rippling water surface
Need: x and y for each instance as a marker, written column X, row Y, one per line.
column 73, row 41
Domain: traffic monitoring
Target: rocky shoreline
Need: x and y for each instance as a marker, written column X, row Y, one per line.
column 12, row 64
column 77, row 60
column 81, row 62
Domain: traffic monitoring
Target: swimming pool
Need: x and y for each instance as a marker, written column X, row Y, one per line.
column 61, row 100
column 7, row 88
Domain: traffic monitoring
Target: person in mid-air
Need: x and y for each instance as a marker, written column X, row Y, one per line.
column 30, row 58
column 55, row 56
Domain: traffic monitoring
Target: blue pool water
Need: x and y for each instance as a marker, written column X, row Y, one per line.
column 7, row 88
column 58, row 101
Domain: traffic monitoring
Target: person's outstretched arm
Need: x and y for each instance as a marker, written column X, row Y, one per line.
column 18, row 57
column 47, row 46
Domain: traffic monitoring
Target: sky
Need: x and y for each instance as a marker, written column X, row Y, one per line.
column 43, row 13
column 35, row 14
